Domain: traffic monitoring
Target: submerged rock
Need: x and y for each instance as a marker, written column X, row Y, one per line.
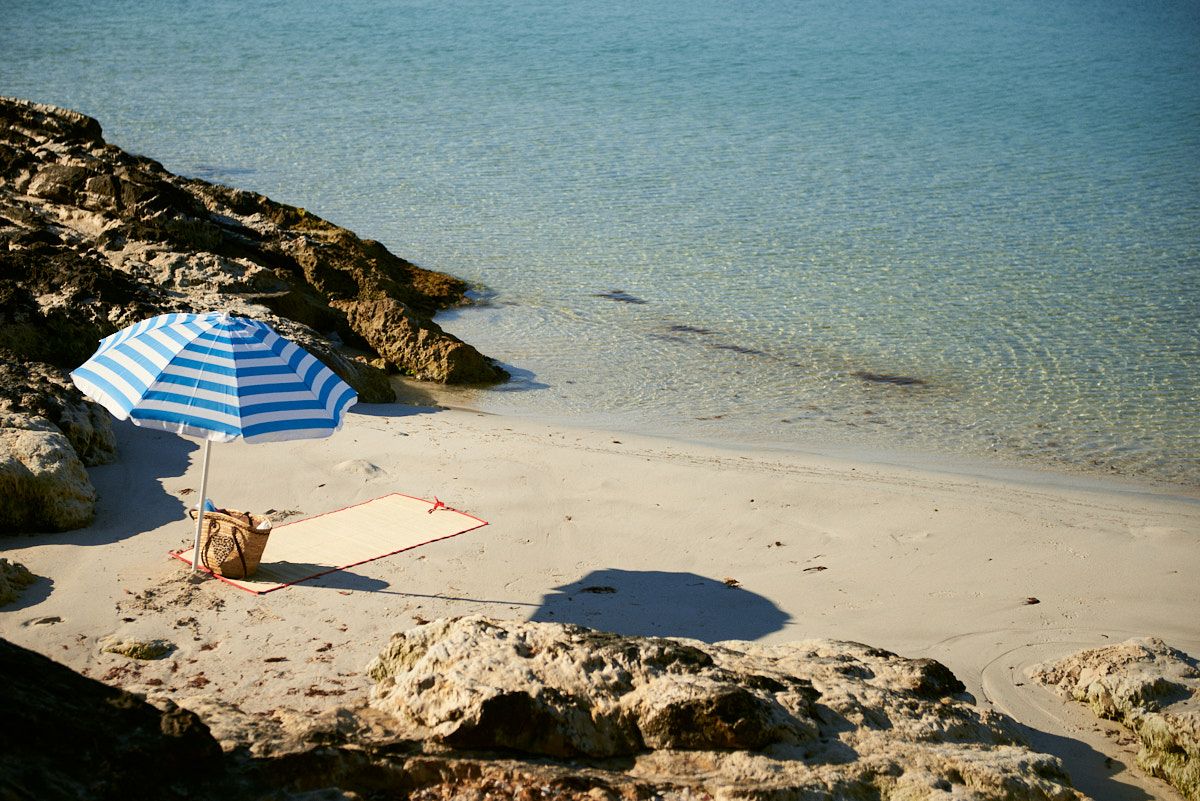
column 888, row 378
column 1151, row 689
column 621, row 296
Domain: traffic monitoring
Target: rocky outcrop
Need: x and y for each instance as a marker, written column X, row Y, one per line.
column 43, row 484
column 146, row 240
column 48, row 433
column 1151, row 689
column 46, row 392
column 93, row 239
column 64, row 736
column 813, row 719
column 14, row 577
column 479, row 708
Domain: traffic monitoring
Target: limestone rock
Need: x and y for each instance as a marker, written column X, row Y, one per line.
column 14, row 577
column 1151, row 689
column 354, row 751
column 43, row 484
column 287, row 732
column 419, row 349
column 138, row 649
column 39, row 389
column 735, row 719
column 147, row 241
column 93, row 239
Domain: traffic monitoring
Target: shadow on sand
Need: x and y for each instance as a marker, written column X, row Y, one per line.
column 129, row 492
column 418, row 406
column 1091, row 771
column 32, row 595
column 660, row 604
column 329, row 577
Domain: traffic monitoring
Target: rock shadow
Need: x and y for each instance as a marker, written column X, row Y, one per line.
column 32, row 595
column 412, row 403
column 1092, row 773
column 661, row 604
column 413, row 397
column 520, row 380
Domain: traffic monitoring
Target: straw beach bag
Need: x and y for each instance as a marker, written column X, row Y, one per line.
column 232, row 542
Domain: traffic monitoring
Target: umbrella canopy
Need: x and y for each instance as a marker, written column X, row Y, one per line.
column 214, row 377
column 217, row 378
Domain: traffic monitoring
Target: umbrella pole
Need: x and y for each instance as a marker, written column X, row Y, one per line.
column 200, row 514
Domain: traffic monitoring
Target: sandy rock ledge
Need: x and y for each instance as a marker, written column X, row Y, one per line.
column 43, row 484
column 813, row 719
column 476, row 708
column 1151, row 689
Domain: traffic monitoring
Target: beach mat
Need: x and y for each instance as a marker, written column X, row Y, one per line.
column 315, row 546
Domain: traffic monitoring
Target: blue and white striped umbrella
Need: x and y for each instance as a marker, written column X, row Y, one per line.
column 216, row 378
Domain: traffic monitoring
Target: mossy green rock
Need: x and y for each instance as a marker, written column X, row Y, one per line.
column 136, row 649
column 14, row 577
column 1151, row 689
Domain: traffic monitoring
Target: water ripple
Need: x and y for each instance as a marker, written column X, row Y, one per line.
column 999, row 201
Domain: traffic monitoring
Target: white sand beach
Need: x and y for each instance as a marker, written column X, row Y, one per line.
column 624, row 533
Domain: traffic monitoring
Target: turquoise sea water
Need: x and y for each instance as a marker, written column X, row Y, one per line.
column 998, row 200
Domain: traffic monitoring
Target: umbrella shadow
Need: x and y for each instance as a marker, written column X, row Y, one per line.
column 661, row 604
column 130, row 498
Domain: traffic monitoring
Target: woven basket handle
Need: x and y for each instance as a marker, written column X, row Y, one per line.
column 213, row 527
column 241, row 556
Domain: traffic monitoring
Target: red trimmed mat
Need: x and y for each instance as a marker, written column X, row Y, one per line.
column 371, row 530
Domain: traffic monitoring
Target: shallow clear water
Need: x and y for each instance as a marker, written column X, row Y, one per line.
column 999, row 201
